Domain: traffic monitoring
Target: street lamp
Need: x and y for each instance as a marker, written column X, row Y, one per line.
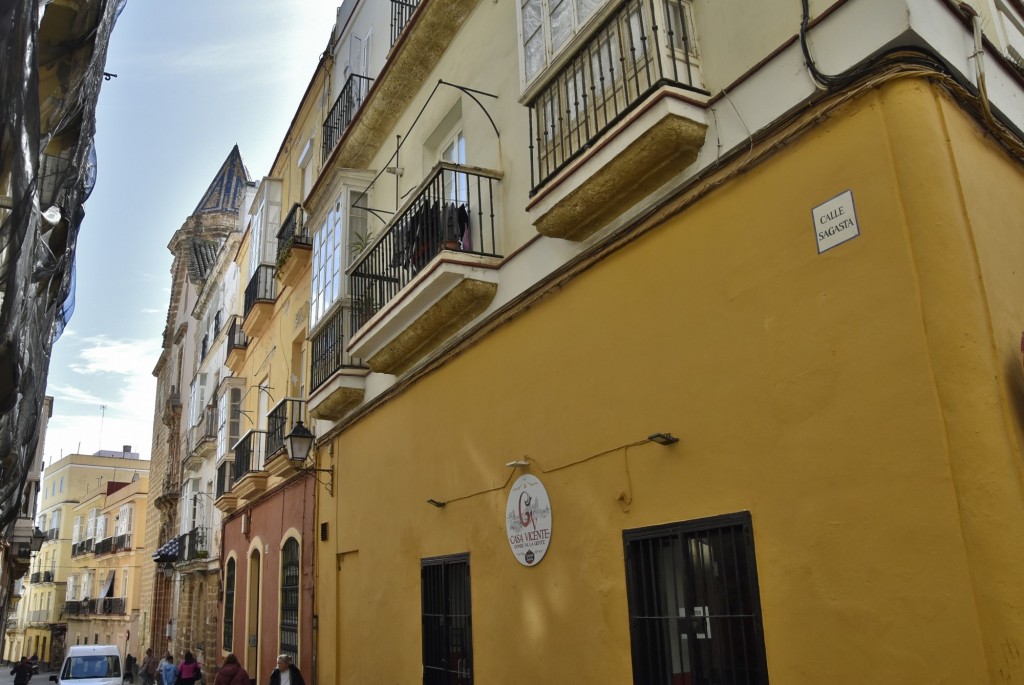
column 300, row 442
column 35, row 543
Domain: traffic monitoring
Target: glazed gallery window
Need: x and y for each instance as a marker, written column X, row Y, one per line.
column 447, row 621
column 229, row 605
column 545, row 26
column 342, row 235
column 694, row 609
column 290, row 599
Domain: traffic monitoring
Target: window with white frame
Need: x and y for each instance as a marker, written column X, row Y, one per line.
column 545, row 26
column 341, row 235
column 229, row 417
column 101, row 527
column 76, row 531
column 87, row 589
column 266, row 221
column 55, row 520
column 90, row 528
column 72, row 588
column 124, row 520
column 197, row 399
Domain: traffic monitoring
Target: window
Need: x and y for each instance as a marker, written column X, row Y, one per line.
column 333, row 244
column 197, row 399
column 124, row 520
column 447, row 624
column 55, row 520
column 90, row 528
column 101, row 527
column 72, row 588
column 290, row 598
column 694, row 609
column 229, row 415
column 266, row 221
column 547, row 25
column 229, row 605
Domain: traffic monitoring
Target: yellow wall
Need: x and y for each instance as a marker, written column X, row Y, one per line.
column 855, row 402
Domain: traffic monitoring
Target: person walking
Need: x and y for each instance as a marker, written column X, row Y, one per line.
column 168, row 671
column 22, row 671
column 189, row 670
column 286, row 673
column 148, row 667
column 232, row 673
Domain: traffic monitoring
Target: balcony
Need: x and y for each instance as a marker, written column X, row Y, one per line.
column 350, row 101
column 48, row 576
column 619, row 119
column 425, row 35
column 121, row 542
column 293, row 247
column 280, row 422
column 201, row 440
column 338, row 380
column 401, row 12
column 104, row 546
column 248, row 474
column 76, row 607
column 197, row 544
column 226, row 500
column 238, row 341
column 110, row 606
column 432, row 270
column 260, row 295
column 83, row 547
column 36, row 577
column 52, row 534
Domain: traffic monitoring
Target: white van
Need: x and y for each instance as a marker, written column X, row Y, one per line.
column 91, row 665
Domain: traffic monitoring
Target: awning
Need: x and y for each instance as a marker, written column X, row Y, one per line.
column 108, row 586
column 168, row 551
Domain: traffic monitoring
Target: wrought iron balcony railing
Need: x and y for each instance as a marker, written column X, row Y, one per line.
column 262, row 288
column 36, row 577
column 73, row 607
column 293, row 231
column 224, row 472
column 52, row 534
column 104, row 546
column 237, row 339
column 643, row 46
column 197, row 544
column 280, row 422
column 350, row 101
column 83, row 547
column 203, row 432
column 47, row 576
column 327, row 351
column 401, row 12
column 110, row 605
column 121, row 542
column 249, row 454
column 452, row 210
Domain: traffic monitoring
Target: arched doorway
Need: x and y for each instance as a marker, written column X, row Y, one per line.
column 252, row 648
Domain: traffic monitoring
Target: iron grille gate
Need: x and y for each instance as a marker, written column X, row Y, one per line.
column 447, row 621
column 694, row 606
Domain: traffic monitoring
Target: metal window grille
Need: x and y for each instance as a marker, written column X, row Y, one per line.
column 694, row 607
column 290, row 599
column 229, row 605
column 447, row 621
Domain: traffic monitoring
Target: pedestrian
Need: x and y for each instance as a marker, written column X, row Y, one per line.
column 148, row 667
column 232, row 673
column 168, row 671
column 22, row 671
column 286, row 673
column 189, row 670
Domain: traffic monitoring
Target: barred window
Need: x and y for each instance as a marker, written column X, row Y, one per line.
column 447, row 621
column 229, row 605
column 694, row 608
column 290, row 599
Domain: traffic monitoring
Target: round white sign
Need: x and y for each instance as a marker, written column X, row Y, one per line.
column 528, row 520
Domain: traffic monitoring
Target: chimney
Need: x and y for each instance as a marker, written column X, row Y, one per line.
column 126, row 449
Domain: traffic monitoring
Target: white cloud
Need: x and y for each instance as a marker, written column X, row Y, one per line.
column 147, row 310
column 117, row 375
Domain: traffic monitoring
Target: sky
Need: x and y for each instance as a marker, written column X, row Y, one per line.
column 194, row 77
